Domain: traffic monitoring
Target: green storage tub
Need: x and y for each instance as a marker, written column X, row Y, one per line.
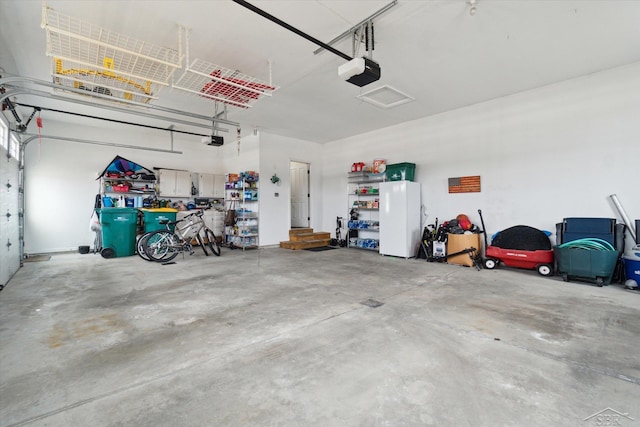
column 401, row 172
column 153, row 217
column 586, row 264
column 118, row 231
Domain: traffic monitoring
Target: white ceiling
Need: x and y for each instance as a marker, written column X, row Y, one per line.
column 434, row 51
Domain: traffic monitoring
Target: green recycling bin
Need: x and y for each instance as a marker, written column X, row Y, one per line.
column 154, row 218
column 118, row 231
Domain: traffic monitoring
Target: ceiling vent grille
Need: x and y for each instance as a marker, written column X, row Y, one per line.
column 385, row 97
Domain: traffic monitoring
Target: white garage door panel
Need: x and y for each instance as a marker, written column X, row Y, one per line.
column 9, row 220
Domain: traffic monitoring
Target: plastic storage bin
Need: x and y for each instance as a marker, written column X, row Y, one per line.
column 586, row 264
column 580, row 228
column 118, row 231
column 401, row 172
column 153, row 217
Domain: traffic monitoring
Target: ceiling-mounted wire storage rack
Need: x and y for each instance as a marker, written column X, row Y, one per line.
column 85, row 56
column 220, row 84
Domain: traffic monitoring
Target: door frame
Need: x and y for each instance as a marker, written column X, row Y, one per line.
column 291, row 161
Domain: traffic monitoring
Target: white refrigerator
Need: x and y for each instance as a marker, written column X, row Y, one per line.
column 400, row 203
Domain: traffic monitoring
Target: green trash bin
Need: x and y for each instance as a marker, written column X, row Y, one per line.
column 118, row 231
column 153, row 218
column 586, row 264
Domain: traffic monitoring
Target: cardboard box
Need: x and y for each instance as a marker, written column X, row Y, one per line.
column 459, row 242
column 232, row 177
column 376, row 165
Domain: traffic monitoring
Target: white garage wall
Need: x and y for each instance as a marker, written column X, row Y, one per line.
column 275, row 211
column 543, row 155
column 244, row 159
column 60, row 177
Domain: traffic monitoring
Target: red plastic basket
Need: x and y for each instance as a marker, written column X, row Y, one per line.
column 121, row 188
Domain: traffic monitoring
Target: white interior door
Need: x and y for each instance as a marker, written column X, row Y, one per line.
column 9, row 218
column 299, row 194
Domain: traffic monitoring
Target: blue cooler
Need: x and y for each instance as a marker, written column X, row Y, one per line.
column 631, row 260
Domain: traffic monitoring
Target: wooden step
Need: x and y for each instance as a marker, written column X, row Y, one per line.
column 304, row 244
column 321, row 235
column 296, row 231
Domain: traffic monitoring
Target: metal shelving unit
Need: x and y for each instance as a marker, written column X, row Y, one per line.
column 363, row 195
column 243, row 195
column 127, row 187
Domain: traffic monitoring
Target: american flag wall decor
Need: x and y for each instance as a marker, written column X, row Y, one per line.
column 465, row 184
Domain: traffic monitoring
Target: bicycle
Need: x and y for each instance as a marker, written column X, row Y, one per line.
column 165, row 245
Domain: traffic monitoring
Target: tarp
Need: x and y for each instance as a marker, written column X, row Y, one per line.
column 123, row 167
column 522, row 237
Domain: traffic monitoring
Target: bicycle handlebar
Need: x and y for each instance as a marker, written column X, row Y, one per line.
column 198, row 213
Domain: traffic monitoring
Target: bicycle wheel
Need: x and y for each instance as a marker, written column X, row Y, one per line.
column 162, row 245
column 212, row 241
column 201, row 243
column 140, row 246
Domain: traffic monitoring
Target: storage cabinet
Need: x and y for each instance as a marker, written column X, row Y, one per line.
column 242, row 195
column 364, row 203
column 174, row 183
column 211, row 185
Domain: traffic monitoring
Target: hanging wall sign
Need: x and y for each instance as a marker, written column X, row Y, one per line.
column 465, row 184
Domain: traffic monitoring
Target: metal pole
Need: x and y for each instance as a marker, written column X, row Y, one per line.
column 24, row 91
column 630, row 227
column 8, row 80
column 110, row 144
column 171, row 132
column 113, row 120
column 358, row 25
column 292, row 29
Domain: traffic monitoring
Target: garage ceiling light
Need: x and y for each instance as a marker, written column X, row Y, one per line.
column 385, row 97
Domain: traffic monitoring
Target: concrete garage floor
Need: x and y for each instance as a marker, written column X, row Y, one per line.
column 277, row 337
